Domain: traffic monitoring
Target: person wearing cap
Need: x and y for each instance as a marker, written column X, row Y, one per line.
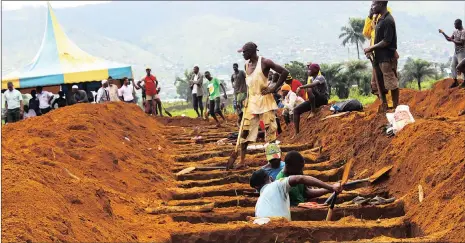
column 290, row 101
column 13, row 104
column 196, row 84
column 273, row 156
column 260, row 104
column 45, row 100
column 79, row 96
column 317, row 92
column 274, row 199
column 295, row 84
column 240, row 90
column 214, row 97
column 103, row 94
column 113, row 89
column 60, row 101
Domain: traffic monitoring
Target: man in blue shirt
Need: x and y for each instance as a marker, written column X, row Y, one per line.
column 275, row 165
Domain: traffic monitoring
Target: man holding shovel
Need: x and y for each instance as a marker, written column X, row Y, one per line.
column 260, row 104
column 384, row 51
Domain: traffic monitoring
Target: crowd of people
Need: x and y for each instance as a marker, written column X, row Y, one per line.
column 42, row 101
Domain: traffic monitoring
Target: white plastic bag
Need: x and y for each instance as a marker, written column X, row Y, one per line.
column 400, row 118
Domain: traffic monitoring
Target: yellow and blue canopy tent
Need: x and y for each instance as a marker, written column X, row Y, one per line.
column 60, row 61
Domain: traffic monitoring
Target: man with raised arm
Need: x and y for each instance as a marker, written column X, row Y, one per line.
column 260, row 104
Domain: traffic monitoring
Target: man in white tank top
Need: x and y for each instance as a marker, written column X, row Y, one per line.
column 260, row 104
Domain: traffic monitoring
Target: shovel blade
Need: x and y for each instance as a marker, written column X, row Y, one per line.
column 380, row 173
column 232, row 159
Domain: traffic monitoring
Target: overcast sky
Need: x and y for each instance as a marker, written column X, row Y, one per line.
column 456, row 8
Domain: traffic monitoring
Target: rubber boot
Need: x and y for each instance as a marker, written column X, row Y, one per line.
column 395, row 97
column 455, row 84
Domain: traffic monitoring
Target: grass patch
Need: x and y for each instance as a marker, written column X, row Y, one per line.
column 425, row 84
column 355, row 93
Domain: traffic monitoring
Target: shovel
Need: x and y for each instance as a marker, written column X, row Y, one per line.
column 169, row 114
column 234, row 154
column 345, row 177
column 370, row 179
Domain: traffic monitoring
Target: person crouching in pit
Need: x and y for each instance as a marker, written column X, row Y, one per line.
column 274, row 199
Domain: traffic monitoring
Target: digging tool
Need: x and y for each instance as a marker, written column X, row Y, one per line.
column 345, row 177
column 370, row 179
column 381, row 95
column 234, row 154
column 169, row 114
column 335, row 115
column 185, row 171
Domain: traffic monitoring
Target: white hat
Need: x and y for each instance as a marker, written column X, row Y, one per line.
column 75, row 87
column 104, row 81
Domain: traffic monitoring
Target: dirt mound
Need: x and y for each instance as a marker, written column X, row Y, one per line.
column 83, row 173
column 430, row 152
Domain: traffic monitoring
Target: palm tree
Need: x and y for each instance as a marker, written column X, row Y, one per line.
column 331, row 72
column 417, row 69
column 353, row 33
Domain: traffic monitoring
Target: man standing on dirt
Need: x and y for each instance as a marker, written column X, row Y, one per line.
column 240, row 90
column 384, row 48
column 260, row 104
column 113, row 89
column 150, row 86
column 458, row 38
column 196, row 83
column 214, row 97
column 13, row 104
column 102, row 94
column 45, row 100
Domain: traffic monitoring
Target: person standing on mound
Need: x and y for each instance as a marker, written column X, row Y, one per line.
column 260, row 104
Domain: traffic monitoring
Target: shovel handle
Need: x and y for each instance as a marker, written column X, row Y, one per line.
column 331, row 208
column 347, row 184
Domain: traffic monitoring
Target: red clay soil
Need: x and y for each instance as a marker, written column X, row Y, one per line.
column 430, row 153
column 84, row 173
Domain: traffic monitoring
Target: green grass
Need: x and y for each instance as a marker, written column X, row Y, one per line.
column 354, row 93
column 425, row 84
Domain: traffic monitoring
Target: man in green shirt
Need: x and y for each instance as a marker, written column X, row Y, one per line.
column 214, row 97
column 294, row 166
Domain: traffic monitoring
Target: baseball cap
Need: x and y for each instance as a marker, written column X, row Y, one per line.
column 289, row 77
column 286, row 87
column 258, row 178
column 248, row 45
column 272, row 151
column 314, row 65
column 74, row 87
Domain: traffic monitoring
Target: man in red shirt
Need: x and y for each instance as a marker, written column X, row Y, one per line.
column 294, row 83
column 151, row 92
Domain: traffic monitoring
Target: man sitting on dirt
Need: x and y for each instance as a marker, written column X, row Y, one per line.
column 295, row 85
column 275, row 165
column 294, row 165
column 317, row 93
column 274, row 200
column 214, row 97
column 290, row 101
column 260, row 105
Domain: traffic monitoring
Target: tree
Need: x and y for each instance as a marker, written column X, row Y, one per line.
column 331, row 72
column 182, row 86
column 353, row 33
column 297, row 70
column 417, row 69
